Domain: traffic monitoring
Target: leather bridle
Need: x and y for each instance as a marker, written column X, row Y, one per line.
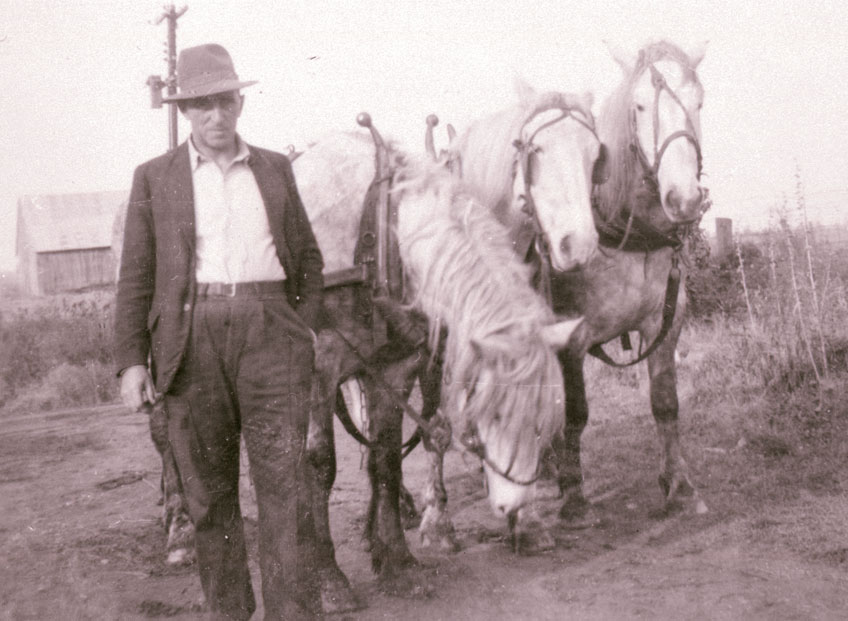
column 525, row 149
column 652, row 171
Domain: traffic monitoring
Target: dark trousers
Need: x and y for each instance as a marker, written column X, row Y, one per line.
column 247, row 369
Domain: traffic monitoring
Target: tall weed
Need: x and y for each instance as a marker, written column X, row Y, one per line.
column 780, row 303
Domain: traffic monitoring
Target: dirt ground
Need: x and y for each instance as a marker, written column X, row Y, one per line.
column 82, row 537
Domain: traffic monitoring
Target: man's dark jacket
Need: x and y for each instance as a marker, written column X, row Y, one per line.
column 157, row 286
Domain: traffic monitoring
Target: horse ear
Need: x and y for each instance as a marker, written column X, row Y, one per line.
column 558, row 335
column 620, row 56
column 697, row 55
column 451, row 133
column 523, row 89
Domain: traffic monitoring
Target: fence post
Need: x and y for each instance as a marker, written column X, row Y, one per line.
column 724, row 238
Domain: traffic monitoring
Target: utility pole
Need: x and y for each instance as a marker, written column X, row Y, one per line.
column 156, row 83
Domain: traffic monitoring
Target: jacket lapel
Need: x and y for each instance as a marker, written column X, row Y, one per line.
column 179, row 194
column 274, row 195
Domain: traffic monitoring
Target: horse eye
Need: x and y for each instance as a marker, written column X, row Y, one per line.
column 640, row 107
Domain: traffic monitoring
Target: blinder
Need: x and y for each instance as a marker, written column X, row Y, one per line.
column 525, row 150
column 600, row 171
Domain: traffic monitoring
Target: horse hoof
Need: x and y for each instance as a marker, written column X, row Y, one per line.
column 337, row 596
column 575, row 507
column 409, row 519
column 449, row 544
column 681, row 495
column 532, row 542
column 446, row 542
column 691, row 505
column 409, row 516
column 435, row 528
column 402, row 584
column 180, row 556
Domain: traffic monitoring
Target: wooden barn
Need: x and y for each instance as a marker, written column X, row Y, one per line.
column 64, row 241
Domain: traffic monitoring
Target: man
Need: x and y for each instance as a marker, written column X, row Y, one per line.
column 220, row 285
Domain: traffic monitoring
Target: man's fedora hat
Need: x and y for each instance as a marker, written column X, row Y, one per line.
column 205, row 70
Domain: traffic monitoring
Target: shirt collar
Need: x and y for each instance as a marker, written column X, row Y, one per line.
column 197, row 158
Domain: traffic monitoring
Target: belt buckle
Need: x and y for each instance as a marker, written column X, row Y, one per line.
column 232, row 290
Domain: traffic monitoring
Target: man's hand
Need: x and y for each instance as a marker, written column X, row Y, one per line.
column 137, row 390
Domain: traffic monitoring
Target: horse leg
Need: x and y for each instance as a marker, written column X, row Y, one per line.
column 409, row 516
column 436, row 525
column 336, row 592
column 389, row 552
column 677, row 488
column 178, row 524
column 567, row 446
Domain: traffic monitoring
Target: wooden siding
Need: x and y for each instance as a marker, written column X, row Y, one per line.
column 75, row 269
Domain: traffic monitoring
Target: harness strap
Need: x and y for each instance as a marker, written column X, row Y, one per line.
column 669, row 307
column 427, row 428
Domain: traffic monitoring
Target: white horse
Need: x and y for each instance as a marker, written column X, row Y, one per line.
column 651, row 124
column 534, row 164
column 505, row 391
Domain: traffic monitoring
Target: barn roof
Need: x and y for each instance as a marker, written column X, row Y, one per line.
column 56, row 222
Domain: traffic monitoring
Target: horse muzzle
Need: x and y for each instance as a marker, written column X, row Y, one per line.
column 683, row 208
column 507, row 497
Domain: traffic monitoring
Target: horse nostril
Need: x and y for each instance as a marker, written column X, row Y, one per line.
column 565, row 245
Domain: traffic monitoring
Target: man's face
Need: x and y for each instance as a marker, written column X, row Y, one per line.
column 213, row 121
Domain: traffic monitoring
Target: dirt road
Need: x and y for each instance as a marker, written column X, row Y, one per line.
column 82, row 537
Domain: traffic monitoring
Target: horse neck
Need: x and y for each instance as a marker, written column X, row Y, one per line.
column 617, row 291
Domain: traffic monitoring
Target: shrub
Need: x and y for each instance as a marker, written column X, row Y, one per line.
column 40, row 342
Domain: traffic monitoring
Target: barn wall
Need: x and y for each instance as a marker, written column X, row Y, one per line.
column 75, row 269
column 28, row 271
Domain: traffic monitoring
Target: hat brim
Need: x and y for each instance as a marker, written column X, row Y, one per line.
column 224, row 86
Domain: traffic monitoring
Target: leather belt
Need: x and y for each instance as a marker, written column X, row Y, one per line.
column 241, row 289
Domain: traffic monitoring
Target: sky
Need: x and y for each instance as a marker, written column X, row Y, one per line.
column 75, row 113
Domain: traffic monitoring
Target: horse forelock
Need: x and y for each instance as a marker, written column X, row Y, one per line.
column 617, row 133
column 487, row 156
column 563, row 101
column 657, row 50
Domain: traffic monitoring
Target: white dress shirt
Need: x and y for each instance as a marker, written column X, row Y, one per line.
column 234, row 242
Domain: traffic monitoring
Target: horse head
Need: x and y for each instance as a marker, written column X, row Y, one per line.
column 534, row 164
column 509, row 429
column 556, row 155
column 654, row 118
